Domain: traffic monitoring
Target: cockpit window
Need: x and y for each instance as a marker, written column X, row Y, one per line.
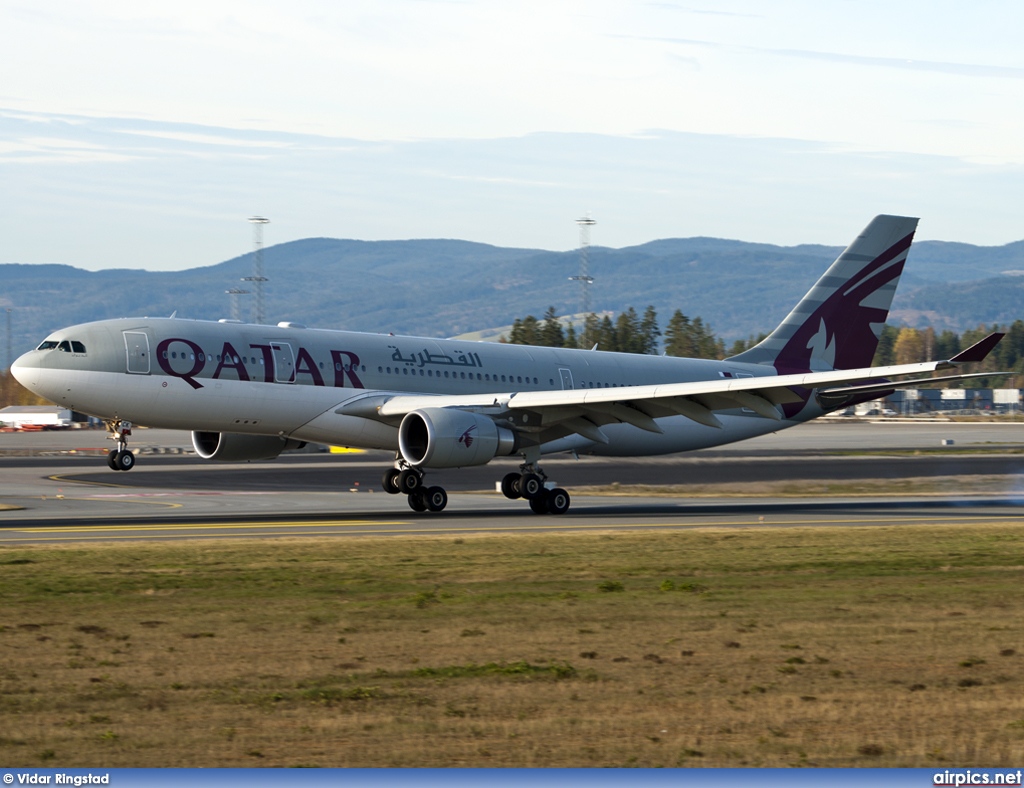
column 65, row 346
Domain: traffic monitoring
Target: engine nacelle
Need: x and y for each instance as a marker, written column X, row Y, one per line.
column 450, row 438
column 235, row 447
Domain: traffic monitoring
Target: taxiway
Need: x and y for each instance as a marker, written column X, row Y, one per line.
column 60, row 490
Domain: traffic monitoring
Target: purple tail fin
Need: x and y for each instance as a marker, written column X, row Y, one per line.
column 838, row 323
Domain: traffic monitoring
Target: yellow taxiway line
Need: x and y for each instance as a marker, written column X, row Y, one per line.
column 400, row 527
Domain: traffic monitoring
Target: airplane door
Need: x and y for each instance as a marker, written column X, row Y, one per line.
column 284, row 362
column 566, row 379
column 136, row 345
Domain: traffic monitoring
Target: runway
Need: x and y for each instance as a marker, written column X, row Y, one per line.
column 474, row 514
column 66, row 498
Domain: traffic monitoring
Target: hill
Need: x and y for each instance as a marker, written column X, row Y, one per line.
column 448, row 287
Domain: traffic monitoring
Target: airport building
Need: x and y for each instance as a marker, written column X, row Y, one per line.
column 954, row 401
column 35, row 417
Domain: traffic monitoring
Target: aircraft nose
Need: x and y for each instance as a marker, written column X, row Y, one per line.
column 26, row 370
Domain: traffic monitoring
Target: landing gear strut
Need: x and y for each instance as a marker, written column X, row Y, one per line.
column 120, row 459
column 529, row 484
column 405, row 479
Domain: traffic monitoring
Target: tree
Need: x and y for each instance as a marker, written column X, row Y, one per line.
column 524, row 332
column 590, row 331
column 909, row 346
column 884, row 355
column 679, row 336
column 604, row 335
column 627, row 332
column 551, row 330
column 649, row 332
column 570, row 337
column 13, row 393
column 947, row 345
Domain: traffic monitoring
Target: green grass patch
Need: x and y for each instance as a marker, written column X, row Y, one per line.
column 817, row 646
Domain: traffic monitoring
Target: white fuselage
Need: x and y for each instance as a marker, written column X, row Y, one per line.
column 289, row 381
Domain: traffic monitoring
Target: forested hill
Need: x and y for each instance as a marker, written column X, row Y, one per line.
column 448, row 287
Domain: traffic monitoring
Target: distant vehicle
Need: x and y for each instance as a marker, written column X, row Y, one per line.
column 249, row 392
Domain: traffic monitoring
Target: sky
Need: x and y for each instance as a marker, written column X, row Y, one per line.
column 137, row 134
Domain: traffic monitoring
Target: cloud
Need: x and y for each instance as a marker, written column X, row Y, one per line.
column 935, row 66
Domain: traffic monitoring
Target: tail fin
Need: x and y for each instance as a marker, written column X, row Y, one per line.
column 838, row 323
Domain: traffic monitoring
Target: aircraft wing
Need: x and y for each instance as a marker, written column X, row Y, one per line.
column 584, row 411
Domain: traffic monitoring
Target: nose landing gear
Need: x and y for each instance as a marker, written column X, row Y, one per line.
column 121, row 458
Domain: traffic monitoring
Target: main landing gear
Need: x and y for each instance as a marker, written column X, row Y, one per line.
column 410, row 482
column 120, row 459
column 529, row 484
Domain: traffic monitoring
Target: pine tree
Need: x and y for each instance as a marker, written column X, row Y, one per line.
column 884, row 355
column 524, row 332
column 627, row 332
column 551, row 330
column 678, row 336
column 605, row 335
column 649, row 332
column 570, row 337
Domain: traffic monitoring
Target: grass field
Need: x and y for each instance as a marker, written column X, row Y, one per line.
column 759, row 647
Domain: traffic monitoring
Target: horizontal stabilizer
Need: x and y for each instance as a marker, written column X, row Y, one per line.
column 904, row 384
column 978, row 351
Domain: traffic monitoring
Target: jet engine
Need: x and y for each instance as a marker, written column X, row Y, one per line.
column 451, row 438
column 235, row 447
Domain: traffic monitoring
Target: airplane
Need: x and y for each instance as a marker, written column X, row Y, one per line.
column 250, row 392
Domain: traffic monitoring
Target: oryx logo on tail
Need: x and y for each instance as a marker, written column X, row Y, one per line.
column 823, row 350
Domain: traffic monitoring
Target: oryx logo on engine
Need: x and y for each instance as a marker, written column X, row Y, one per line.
column 466, row 438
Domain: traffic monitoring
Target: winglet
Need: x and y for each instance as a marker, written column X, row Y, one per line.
column 978, row 351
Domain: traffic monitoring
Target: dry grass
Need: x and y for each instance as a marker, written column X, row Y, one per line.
column 804, row 646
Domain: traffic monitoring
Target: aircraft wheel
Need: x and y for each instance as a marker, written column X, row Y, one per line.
column 539, row 504
column 416, row 502
column 436, row 498
column 125, row 460
column 390, row 481
column 409, row 481
column 558, row 501
column 510, row 486
column 531, row 485
column 112, row 459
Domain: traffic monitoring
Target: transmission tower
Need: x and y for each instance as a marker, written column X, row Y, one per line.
column 257, row 268
column 236, row 310
column 584, row 277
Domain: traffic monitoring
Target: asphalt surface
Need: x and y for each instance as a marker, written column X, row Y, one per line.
column 65, row 496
